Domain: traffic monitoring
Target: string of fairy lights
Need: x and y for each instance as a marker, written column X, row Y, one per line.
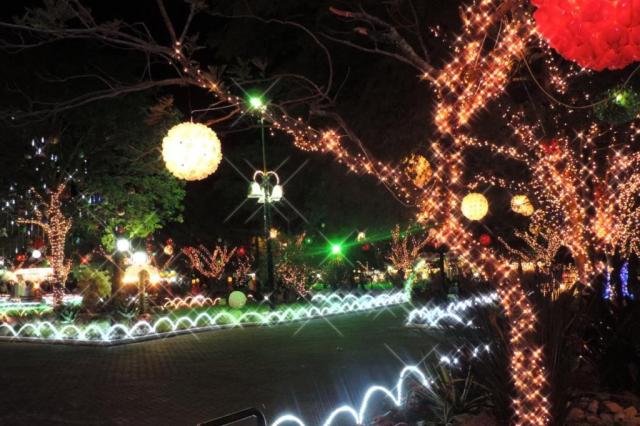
column 579, row 200
column 209, row 263
column 48, row 216
column 428, row 315
column 320, row 306
column 434, row 316
column 474, row 77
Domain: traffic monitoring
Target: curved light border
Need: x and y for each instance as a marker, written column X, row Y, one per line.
column 93, row 333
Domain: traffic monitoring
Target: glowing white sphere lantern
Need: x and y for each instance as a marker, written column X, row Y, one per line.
column 237, row 299
column 191, row 151
column 475, row 206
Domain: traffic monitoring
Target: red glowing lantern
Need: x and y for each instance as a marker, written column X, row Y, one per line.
column 21, row 257
column 485, row 240
column 597, row 34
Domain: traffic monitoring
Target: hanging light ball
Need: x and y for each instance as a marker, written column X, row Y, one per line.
column 619, row 105
column 485, row 240
column 474, row 206
column 597, row 34
column 418, row 169
column 191, row 151
column 522, row 205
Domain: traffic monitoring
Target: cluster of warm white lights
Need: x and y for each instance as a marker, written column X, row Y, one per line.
column 326, row 305
column 211, row 264
column 137, row 272
column 494, row 38
column 474, row 206
column 191, row 151
column 433, row 316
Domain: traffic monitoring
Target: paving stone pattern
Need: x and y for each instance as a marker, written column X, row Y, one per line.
column 187, row 379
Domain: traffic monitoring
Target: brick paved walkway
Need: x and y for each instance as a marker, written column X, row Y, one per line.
column 187, row 379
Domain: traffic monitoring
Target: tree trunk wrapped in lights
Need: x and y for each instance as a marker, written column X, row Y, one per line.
column 243, row 267
column 405, row 249
column 493, row 40
column 48, row 215
column 292, row 268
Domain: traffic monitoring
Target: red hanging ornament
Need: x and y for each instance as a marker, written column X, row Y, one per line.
column 21, row 257
column 485, row 240
column 366, row 247
column 550, row 147
column 596, row 34
column 241, row 251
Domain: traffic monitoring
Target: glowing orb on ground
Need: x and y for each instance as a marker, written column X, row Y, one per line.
column 522, row 205
column 191, row 151
column 597, row 34
column 237, row 299
column 474, row 206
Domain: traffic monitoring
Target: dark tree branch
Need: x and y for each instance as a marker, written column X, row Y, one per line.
column 381, row 31
column 167, row 21
column 87, row 98
column 299, row 26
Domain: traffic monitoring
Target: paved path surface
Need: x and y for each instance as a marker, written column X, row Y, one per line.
column 187, row 379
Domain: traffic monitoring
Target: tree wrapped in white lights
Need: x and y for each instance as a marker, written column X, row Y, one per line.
column 48, row 216
column 406, row 248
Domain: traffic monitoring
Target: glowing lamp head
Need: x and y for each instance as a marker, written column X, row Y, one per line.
column 123, row 245
column 256, row 103
column 255, row 190
column 474, row 206
column 191, row 151
column 336, row 249
column 36, row 254
column 139, row 258
column 277, row 193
